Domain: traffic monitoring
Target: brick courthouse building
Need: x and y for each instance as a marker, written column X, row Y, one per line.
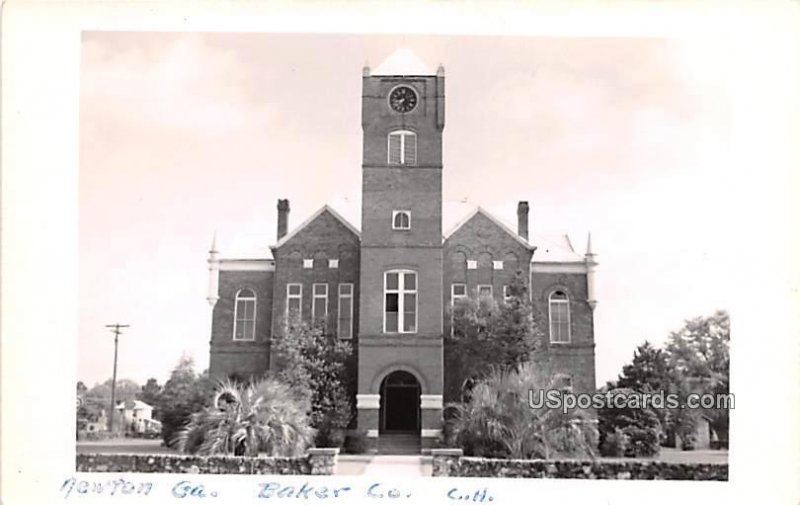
column 389, row 286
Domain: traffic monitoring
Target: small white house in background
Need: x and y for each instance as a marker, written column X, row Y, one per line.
column 139, row 416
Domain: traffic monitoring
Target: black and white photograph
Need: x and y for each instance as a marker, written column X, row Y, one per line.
column 351, row 266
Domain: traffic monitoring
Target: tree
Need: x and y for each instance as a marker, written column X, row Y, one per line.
column 700, row 352
column 498, row 421
column 97, row 400
column 487, row 335
column 150, row 394
column 318, row 363
column 245, row 419
column 183, row 394
column 637, row 423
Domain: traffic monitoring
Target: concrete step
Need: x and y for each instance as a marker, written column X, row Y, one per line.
column 399, row 444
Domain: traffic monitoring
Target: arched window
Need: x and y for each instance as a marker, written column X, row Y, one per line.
column 400, row 302
column 401, row 220
column 402, row 147
column 559, row 317
column 244, row 316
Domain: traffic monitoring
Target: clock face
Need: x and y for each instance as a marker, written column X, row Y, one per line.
column 403, row 99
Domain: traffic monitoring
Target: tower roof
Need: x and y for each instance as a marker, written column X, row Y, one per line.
column 403, row 62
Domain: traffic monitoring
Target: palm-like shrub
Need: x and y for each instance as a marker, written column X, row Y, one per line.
column 497, row 420
column 248, row 419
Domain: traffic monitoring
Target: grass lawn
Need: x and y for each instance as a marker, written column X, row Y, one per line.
column 122, row 446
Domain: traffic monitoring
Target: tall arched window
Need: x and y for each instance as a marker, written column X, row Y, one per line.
column 400, row 302
column 559, row 317
column 244, row 315
column 402, row 147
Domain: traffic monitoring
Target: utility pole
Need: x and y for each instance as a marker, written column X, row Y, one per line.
column 115, row 328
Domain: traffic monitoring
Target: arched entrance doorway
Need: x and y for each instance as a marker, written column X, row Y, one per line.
column 400, row 404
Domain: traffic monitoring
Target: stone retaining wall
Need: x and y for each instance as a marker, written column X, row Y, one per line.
column 451, row 463
column 316, row 462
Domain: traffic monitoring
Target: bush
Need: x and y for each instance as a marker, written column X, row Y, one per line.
column 248, row 419
column 615, row 444
column 497, row 420
column 356, row 442
column 642, row 442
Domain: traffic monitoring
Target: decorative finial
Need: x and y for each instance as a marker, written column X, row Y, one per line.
column 366, row 70
column 440, row 70
column 213, row 243
column 589, row 251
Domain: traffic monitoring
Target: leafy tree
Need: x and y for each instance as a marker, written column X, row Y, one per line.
column 98, row 399
column 183, row 394
column 246, row 419
column 636, row 423
column 150, row 394
column 487, row 335
column 318, row 363
column 700, row 352
column 498, row 421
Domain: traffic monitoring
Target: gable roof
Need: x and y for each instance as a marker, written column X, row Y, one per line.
column 500, row 224
column 555, row 249
column 325, row 208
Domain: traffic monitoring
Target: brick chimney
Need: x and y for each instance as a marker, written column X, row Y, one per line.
column 522, row 220
column 283, row 218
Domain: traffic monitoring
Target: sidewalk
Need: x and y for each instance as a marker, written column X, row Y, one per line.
column 394, row 466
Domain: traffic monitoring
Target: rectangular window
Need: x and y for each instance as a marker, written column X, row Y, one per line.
column 458, row 293
column 345, row 320
column 472, row 264
column 400, row 302
column 484, row 291
column 308, row 263
column 294, row 302
column 333, row 263
column 506, row 294
column 497, row 265
column 319, row 304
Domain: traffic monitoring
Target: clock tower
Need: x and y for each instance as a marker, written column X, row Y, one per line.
column 400, row 358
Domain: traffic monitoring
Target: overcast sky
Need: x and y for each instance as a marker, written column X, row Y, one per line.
column 182, row 135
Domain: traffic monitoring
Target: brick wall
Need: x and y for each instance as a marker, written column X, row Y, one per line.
column 243, row 358
column 577, row 357
column 426, row 120
column 323, row 239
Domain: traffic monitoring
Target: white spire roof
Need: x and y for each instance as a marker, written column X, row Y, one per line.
column 403, row 62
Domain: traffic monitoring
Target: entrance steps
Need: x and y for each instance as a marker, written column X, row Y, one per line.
column 399, row 443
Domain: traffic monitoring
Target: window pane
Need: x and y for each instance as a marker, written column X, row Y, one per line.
column 345, row 289
column 405, row 220
column 294, row 308
column 410, row 149
column 294, row 289
column 394, row 149
column 239, row 332
column 320, row 289
column 391, row 322
column 249, row 330
column 391, row 281
column 319, row 309
column 410, row 282
column 484, row 291
column 392, row 304
column 459, row 289
column 398, row 220
column 410, row 323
